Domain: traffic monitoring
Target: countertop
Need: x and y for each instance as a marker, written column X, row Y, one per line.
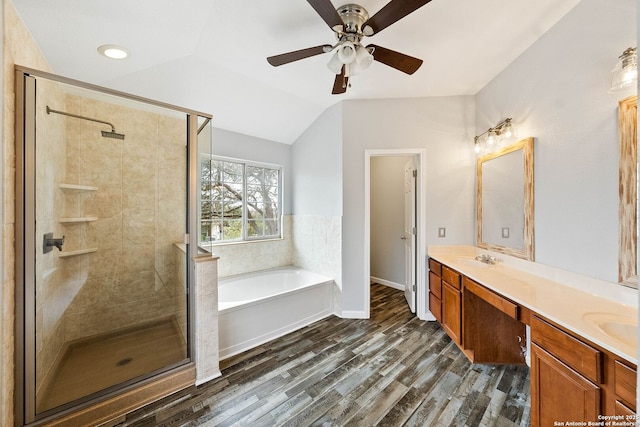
column 584, row 312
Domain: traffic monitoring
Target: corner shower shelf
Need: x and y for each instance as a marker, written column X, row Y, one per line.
column 77, row 252
column 74, row 188
column 77, row 220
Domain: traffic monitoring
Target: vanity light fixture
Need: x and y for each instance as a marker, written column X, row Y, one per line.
column 502, row 132
column 625, row 73
column 113, row 51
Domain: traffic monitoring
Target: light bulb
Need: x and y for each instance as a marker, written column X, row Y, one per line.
column 491, row 138
column 334, row 64
column 347, row 52
column 507, row 131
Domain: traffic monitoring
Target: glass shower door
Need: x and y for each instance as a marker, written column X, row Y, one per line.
column 108, row 302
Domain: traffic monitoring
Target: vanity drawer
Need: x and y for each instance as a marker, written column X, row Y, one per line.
column 575, row 353
column 625, row 383
column 502, row 304
column 450, row 276
column 435, row 285
column 435, row 267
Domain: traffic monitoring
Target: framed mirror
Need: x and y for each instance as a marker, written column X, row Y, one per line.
column 628, row 190
column 505, row 200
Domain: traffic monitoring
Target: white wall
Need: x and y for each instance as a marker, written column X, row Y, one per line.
column 556, row 91
column 387, row 218
column 317, row 197
column 239, row 146
column 317, row 166
column 444, row 126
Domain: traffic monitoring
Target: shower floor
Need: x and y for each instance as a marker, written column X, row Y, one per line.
column 96, row 363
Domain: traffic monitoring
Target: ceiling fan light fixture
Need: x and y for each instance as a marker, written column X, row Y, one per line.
column 334, row 64
column 347, row 52
column 350, row 23
column 363, row 60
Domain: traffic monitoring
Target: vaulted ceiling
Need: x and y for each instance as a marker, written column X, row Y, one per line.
column 210, row 55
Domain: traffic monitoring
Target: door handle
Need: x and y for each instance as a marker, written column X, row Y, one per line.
column 403, row 238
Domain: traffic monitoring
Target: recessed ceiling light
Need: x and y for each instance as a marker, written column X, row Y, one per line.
column 113, row 51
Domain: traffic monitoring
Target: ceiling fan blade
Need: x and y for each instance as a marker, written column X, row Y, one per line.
column 297, row 55
column 392, row 12
column 399, row 61
column 328, row 13
column 340, row 83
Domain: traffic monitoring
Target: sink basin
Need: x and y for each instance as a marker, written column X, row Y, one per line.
column 621, row 331
column 620, row 328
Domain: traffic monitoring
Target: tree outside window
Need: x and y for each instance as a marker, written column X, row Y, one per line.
column 239, row 200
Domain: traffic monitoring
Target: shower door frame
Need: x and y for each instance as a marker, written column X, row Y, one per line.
column 25, row 247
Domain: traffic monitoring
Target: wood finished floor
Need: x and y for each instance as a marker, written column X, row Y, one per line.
column 390, row 370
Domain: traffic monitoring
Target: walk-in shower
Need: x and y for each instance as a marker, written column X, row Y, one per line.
column 107, row 311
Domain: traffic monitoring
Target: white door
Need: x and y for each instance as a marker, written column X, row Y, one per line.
column 409, row 235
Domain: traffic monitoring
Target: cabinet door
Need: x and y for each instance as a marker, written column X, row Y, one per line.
column 558, row 393
column 452, row 312
column 435, row 285
column 435, row 307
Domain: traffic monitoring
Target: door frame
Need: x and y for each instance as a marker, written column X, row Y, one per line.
column 421, row 235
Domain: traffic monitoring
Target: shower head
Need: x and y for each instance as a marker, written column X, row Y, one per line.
column 107, row 134
column 113, row 134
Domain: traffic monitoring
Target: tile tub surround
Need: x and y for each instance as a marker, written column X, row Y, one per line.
column 563, row 297
column 246, row 257
column 206, row 318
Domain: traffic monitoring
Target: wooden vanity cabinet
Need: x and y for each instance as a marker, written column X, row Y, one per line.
column 566, row 374
column 492, row 330
column 452, row 304
column 625, row 388
column 571, row 378
column 574, row 379
column 484, row 325
column 435, row 289
column 559, row 392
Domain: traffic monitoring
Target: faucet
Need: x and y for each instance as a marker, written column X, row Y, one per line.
column 49, row 242
column 487, row 259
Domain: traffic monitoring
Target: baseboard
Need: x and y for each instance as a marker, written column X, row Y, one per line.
column 217, row 374
column 429, row 317
column 353, row 315
column 388, row 283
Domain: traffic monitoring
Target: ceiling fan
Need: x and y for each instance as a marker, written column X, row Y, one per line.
column 351, row 23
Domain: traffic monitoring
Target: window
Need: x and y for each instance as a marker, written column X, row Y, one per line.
column 239, row 200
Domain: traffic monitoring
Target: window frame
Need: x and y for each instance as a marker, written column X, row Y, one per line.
column 245, row 220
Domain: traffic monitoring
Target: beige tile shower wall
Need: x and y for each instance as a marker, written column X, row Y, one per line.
column 317, row 245
column 52, row 290
column 239, row 258
column 180, row 283
column 18, row 48
column 140, row 209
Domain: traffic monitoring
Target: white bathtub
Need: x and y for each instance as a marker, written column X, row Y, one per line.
column 257, row 307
